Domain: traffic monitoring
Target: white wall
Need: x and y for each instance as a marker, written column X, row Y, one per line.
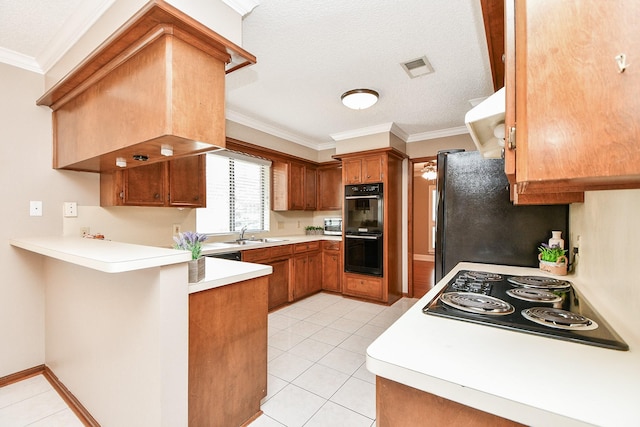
column 26, row 174
column 609, row 228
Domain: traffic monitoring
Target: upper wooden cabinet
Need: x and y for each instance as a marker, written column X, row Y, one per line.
column 572, row 105
column 330, row 189
column 294, row 186
column 159, row 81
column 179, row 182
column 363, row 170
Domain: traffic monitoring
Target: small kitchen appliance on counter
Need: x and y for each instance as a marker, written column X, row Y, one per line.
column 333, row 226
column 532, row 304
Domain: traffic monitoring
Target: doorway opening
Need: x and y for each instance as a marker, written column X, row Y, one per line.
column 422, row 226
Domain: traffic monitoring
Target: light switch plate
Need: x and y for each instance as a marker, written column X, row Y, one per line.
column 35, row 208
column 70, row 209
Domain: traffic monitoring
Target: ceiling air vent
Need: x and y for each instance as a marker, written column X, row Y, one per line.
column 417, row 67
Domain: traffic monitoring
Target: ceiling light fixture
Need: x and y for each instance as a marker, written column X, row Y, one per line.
column 359, row 99
column 430, row 171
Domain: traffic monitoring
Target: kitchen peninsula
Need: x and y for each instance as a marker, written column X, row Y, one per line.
column 428, row 365
column 125, row 331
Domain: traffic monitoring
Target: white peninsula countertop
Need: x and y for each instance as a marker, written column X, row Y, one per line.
column 116, row 257
column 530, row 379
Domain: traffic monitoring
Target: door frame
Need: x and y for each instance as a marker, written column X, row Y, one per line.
column 410, row 202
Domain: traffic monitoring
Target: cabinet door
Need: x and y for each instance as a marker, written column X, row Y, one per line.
column 296, row 186
column 576, row 112
column 279, row 283
column 331, row 271
column 372, row 169
column 310, row 188
column 300, row 275
column 144, row 185
column 187, row 181
column 352, row 171
column 330, row 191
column 314, row 270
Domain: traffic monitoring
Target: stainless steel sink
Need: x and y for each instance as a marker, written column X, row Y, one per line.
column 242, row 242
column 254, row 241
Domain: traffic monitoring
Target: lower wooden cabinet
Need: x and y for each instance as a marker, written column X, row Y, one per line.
column 363, row 286
column 279, row 258
column 332, row 266
column 307, row 266
column 400, row 405
column 227, row 353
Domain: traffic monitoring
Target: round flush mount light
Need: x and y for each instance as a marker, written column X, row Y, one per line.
column 359, row 99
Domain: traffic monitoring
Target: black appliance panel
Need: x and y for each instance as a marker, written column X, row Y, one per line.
column 476, row 220
column 363, row 208
column 571, row 300
column 363, row 254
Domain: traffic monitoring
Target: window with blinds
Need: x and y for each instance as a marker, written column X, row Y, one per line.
column 237, row 194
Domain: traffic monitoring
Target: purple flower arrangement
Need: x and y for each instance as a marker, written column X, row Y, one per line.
column 190, row 241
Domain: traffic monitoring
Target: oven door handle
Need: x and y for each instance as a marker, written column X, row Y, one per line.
column 351, row 236
column 361, row 197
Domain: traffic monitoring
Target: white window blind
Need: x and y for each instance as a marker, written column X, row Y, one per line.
column 237, row 194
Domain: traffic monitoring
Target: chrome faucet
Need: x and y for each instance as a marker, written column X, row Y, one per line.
column 242, row 230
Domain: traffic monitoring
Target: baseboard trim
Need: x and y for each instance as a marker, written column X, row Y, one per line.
column 22, row 375
column 74, row 404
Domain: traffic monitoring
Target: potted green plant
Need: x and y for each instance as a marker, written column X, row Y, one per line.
column 192, row 241
column 552, row 259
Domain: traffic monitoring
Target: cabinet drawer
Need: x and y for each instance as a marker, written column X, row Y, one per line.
column 329, row 245
column 363, row 287
column 264, row 254
column 308, row 246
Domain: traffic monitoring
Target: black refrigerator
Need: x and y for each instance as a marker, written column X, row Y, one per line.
column 477, row 222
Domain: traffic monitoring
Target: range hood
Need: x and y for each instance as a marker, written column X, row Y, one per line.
column 485, row 122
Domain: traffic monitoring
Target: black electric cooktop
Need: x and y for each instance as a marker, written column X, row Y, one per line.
column 532, row 304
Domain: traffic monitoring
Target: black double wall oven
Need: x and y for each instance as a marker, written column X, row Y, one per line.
column 363, row 229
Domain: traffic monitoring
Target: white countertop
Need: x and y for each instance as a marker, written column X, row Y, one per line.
column 102, row 255
column 220, row 247
column 221, row 272
column 534, row 380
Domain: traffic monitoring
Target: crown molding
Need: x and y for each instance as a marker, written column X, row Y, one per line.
column 19, row 60
column 240, row 118
column 355, row 133
column 243, row 7
column 443, row 133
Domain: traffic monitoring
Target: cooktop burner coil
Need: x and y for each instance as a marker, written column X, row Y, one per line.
column 539, row 282
column 477, row 303
column 557, row 318
column 534, row 295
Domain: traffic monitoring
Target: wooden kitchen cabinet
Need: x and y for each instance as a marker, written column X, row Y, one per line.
column 332, row 266
column 330, row 189
column 179, row 182
column 307, row 265
column 279, row 258
column 382, row 165
column 363, row 170
column 227, row 357
column 294, row 186
column 574, row 111
column 360, row 285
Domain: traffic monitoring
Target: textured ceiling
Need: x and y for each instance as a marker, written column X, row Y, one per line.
column 310, row 52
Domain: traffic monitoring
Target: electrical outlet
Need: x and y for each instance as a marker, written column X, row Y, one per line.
column 175, row 229
column 70, row 209
column 35, row 208
column 85, row 231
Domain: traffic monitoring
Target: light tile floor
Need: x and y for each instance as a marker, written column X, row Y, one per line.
column 34, row 403
column 316, row 362
column 316, row 369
